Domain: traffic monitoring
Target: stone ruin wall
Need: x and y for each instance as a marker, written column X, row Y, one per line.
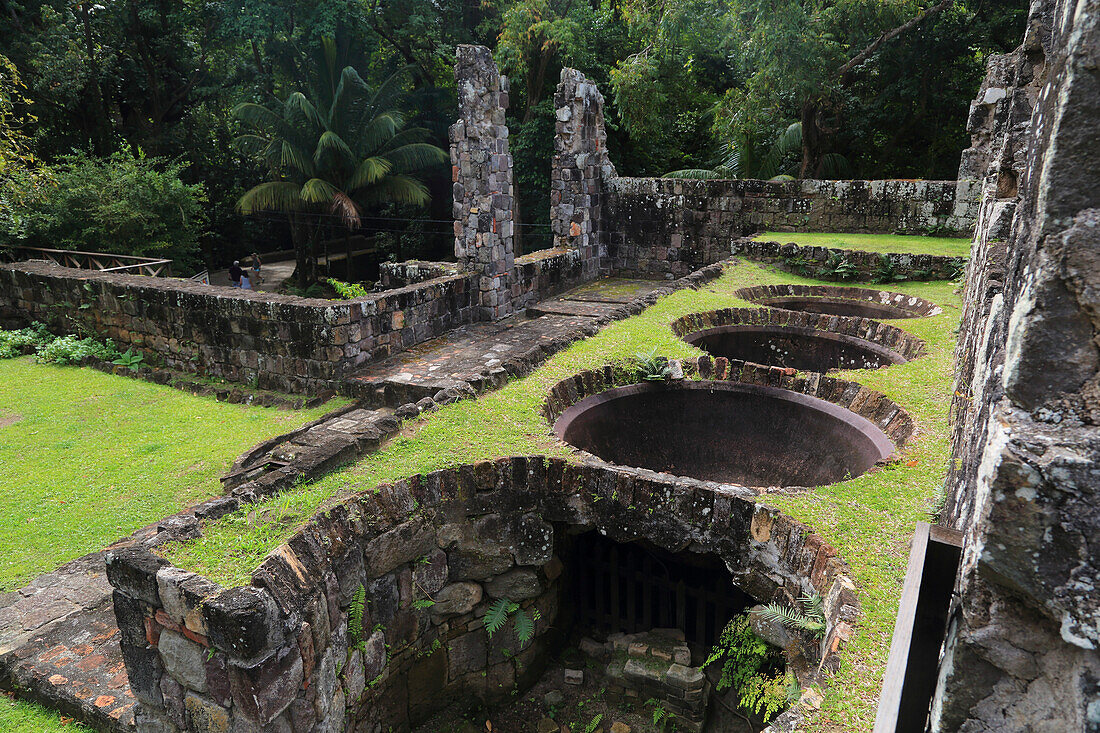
column 602, row 224
column 658, row 226
column 665, row 228
column 281, row 342
column 277, row 654
column 1021, row 651
column 481, row 169
column 819, row 262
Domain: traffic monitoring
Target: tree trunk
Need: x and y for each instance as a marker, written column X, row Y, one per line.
column 811, row 140
column 304, row 236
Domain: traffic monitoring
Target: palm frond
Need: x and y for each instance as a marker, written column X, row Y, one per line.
column 252, row 145
column 790, row 140
column 792, row 618
column 416, row 156
column 300, row 113
column 390, row 89
column 777, row 162
column 330, row 147
column 396, row 189
column 350, row 90
column 368, row 172
column 346, row 209
column 271, row 196
column 291, row 156
column 406, row 137
column 836, row 166
column 257, row 116
column 318, row 191
column 378, row 132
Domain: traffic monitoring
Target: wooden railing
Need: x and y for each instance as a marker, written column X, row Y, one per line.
column 919, row 629
column 127, row 264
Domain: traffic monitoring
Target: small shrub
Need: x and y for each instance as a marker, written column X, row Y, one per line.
column 17, row 343
column 73, row 350
column 746, row 660
column 798, row 263
column 347, row 291
column 651, row 367
column 130, row 359
column 886, row 272
column 839, row 268
column 955, row 269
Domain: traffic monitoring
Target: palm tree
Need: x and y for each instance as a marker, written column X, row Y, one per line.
column 343, row 151
column 779, row 163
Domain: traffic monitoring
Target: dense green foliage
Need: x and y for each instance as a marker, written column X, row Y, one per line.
column 690, row 84
column 70, row 349
column 124, row 203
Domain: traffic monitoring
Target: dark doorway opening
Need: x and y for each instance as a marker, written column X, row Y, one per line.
column 633, row 587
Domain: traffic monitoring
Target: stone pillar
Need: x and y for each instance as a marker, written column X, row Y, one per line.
column 580, row 167
column 481, row 168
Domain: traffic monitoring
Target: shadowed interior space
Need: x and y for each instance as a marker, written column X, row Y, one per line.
column 719, row 431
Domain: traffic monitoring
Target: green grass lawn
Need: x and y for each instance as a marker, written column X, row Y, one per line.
column 19, row 716
column 869, row 519
column 897, row 243
column 87, row 458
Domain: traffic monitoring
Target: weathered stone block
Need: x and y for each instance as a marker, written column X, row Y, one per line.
column 264, row 690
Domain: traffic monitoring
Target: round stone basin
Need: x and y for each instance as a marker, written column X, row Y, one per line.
column 836, row 300
column 806, row 349
column 725, row 431
column 839, row 307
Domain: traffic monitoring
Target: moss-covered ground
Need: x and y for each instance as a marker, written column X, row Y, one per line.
column 899, row 243
column 868, row 519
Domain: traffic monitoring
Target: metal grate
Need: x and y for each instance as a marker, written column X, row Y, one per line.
column 633, row 587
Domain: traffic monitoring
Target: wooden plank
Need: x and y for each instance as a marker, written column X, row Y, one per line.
column 613, row 578
column 889, row 702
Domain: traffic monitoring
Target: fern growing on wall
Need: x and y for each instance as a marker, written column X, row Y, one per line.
column 523, row 624
column 811, row 618
column 356, row 633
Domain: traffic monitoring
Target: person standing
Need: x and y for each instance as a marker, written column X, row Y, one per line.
column 255, row 276
column 235, row 273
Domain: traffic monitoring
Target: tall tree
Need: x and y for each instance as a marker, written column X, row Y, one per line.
column 805, row 53
column 338, row 154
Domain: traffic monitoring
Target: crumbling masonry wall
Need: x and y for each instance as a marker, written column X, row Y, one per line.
column 661, row 226
column 1021, row 651
column 280, row 342
column 667, row 227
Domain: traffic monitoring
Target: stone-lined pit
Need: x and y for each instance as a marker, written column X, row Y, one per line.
column 806, row 349
column 805, row 341
column 840, row 301
column 746, row 434
column 290, row 650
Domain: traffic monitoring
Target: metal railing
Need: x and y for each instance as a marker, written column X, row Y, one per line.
column 127, row 264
